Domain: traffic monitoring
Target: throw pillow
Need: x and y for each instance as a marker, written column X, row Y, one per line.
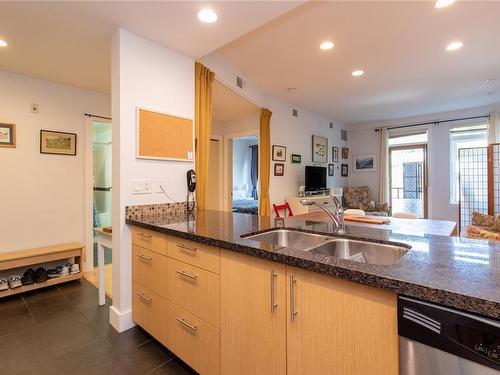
column 483, row 220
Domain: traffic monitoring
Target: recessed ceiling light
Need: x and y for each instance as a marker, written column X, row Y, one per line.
column 207, row 15
column 326, row 45
column 357, row 73
column 443, row 3
column 291, row 89
column 454, row 46
column 3, row 43
column 489, row 80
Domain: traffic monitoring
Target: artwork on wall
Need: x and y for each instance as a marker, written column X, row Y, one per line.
column 279, row 169
column 319, row 149
column 161, row 136
column 7, row 135
column 330, row 170
column 296, row 159
column 60, row 143
column 344, row 172
column 335, row 154
column 279, row 153
column 343, row 134
column 345, row 153
column 364, row 163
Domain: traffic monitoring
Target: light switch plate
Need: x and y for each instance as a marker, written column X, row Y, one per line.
column 141, row 186
column 35, row 108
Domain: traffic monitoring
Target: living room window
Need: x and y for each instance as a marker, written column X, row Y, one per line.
column 466, row 136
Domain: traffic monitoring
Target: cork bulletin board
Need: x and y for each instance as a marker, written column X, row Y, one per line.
column 164, row 137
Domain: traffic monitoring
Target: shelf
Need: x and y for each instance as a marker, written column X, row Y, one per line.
column 50, row 282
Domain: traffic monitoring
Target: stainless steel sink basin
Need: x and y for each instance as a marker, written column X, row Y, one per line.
column 289, row 238
column 361, row 251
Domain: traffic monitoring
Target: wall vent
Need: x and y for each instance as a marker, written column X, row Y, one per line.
column 239, row 82
column 295, row 112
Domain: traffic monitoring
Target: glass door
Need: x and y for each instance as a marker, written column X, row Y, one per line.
column 408, row 180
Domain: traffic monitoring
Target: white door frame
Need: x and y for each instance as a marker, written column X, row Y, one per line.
column 228, row 165
column 88, row 255
column 220, row 158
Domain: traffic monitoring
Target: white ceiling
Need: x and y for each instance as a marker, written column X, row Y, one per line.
column 69, row 42
column 400, row 45
column 229, row 106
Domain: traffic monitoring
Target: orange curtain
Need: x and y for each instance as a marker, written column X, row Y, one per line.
column 203, row 129
column 264, row 161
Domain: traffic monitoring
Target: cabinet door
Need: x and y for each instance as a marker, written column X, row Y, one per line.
column 339, row 327
column 253, row 308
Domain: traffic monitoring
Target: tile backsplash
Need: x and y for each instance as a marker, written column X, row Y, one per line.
column 143, row 211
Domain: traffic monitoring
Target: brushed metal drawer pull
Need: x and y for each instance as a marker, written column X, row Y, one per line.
column 144, row 257
column 292, row 298
column 144, row 298
column 182, row 273
column 271, row 282
column 182, row 321
column 145, row 235
column 184, row 247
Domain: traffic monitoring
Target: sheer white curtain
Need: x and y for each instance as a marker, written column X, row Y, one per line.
column 384, row 166
column 494, row 128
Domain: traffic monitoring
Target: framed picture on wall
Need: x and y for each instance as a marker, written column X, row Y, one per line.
column 364, row 163
column 279, row 169
column 7, row 135
column 59, row 143
column 319, row 149
column 344, row 172
column 330, row 170
column 335, row 154
column 345, row 153
column 296, row 159
column 279, row 153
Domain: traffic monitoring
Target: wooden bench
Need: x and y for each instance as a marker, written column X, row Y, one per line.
column 33, row 257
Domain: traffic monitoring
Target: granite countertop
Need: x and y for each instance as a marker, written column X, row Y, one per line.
column 451, row 271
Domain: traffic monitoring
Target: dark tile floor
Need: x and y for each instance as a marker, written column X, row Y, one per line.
column 62, row 330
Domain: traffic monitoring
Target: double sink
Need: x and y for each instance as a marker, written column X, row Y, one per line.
column 355, row 250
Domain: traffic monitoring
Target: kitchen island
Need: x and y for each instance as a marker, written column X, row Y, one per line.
column 234, row 305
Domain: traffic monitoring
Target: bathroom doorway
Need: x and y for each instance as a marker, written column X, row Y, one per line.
column 98, row 160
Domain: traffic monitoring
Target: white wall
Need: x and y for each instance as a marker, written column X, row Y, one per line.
column 147, row 75
column 42, row 196
column 293, row 132
column 363, row 140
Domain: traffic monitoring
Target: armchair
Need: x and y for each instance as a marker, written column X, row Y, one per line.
column 359, row 198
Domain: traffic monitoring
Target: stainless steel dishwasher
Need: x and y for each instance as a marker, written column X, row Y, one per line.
column 437, row 340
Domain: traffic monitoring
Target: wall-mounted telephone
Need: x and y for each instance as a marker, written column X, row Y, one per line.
column 191, row 180
column 191, row 187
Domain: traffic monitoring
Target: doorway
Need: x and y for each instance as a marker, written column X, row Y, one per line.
column 98, row 170
column 233, row 177
column 408, row 179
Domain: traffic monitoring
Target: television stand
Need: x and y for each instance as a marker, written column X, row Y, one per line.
column 299, row 209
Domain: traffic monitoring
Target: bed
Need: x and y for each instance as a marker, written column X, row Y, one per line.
column 243, row 204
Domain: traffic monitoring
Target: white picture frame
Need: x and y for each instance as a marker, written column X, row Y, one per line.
column 319, row 149
column 364, row 163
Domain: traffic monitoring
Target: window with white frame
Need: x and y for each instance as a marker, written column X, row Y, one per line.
column 465, row 136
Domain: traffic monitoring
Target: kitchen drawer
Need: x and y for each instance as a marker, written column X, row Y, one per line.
column 195, row 290
column 196, row 342
column 194, row 253
column 150, row 240
column 149, row 269
column 149, row 311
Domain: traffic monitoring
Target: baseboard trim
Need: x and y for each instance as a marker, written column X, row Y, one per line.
column 121, row 321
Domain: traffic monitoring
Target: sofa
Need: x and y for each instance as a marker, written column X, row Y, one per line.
column 359, row 198
column 484, row 227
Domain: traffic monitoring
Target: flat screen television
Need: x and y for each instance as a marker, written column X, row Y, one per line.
column 315, row 179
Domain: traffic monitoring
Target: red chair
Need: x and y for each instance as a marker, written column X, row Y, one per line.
column 278, row 208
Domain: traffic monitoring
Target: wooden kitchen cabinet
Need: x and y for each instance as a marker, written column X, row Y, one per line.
column 253, row 315
column 339, row 327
